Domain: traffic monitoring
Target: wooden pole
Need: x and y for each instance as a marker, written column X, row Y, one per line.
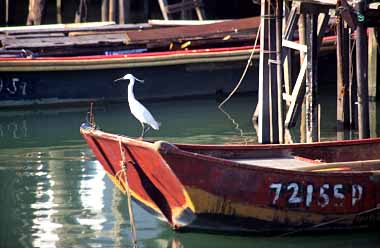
column 361, row 73
column 36, row 10
column 302, row 40
column 353, row 85
column 7, row 12
column 342, row 109
column 81, row 13
column 264, row 96
column 124, row 11
column 112, row 10
column 312, row 78
column 105, row 10
column 273, row 72
column 372, row 64
column 372, row 80
column 280, row 73
column 59, row 11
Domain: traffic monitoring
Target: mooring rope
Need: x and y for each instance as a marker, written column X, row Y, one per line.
column 122, row 177
column 330, row 222
column 245, row 70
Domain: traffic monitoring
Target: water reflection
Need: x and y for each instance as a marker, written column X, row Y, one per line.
column 54, row 193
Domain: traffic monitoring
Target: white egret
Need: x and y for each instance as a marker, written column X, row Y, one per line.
column 137, row 109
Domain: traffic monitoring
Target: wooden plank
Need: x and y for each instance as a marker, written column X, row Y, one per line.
column 297, row 97
column 104, row 39
column 372, row 65
column 227, row 27
column 294, row 45
column 67, row 28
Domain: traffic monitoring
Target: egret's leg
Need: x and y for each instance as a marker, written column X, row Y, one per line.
column 147, row 130
column 142, row 133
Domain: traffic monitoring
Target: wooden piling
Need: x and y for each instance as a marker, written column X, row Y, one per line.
column 124, row 11
column 342, row 52
column 112, row 10
column 312, row 78
column 36, row 10
column 361, row 73
column 372, row 65
column 280, row 73
column 105, row 10
column 302, row 40
column 81, row 13
column 272, row 51
column 59, row 11
column 353, row 85
column 264, row 89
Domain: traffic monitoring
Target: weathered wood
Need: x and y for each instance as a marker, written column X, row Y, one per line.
column 105, row 10
column 342, row 111
column 312, row 78
column 372, row 65
column 272, row 66
column 220, row 28
column 280, row 73
column 287, row 54
column 361, row 73
column 264, row 88
column 124, row 11
column 294, row 45
column 36, row 10
column 112, row 10
column 81, row 13
column 353, row 85
column 59, row 11
column 298, row 94
column 302, row 40
column 44, row 29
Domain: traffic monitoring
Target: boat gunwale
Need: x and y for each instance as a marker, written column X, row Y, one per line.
column 177, row 149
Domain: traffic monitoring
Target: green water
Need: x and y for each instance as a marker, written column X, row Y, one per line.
column 54, row 193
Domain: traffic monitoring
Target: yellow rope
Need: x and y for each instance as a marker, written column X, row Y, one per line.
column 122, row 177
column 245, row 70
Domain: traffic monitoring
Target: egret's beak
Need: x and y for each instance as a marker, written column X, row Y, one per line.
column 139, row 80
column 118, row 79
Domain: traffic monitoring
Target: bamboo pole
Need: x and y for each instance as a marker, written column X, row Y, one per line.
column 361, row 72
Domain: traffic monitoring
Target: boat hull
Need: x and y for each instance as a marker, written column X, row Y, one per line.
column 169, row 75
column 194, row 191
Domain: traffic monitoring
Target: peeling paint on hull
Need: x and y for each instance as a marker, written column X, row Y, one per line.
column 192, row 190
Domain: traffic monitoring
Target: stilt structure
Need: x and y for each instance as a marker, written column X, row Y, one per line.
column 168, row 10
column 305, row 87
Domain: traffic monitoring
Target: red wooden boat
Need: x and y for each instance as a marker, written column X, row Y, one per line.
column 247, row 188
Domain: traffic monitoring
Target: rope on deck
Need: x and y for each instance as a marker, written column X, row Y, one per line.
column 122, row 177
column 245, row 70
